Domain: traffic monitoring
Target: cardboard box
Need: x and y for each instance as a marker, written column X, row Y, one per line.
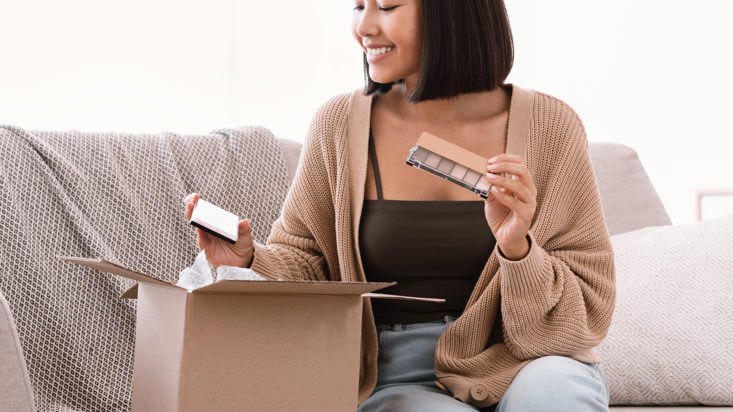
column 236, row 345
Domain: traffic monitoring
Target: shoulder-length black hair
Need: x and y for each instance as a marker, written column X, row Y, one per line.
column 467, row 47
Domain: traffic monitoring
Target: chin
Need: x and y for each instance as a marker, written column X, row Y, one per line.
column 386, row 80
column 382, row 78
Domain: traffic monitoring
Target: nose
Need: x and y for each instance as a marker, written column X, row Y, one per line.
column 365, row 24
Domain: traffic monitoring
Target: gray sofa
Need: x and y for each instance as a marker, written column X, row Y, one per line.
column 637, row 207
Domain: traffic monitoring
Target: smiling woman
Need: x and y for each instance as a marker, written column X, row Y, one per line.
column 527, row 272
column 440, row 66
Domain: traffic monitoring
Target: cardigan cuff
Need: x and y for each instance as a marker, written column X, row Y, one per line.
column 265, row 263
column 528, row 274
column 468, row 391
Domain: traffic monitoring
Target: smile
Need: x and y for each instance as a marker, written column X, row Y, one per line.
column 376, row 52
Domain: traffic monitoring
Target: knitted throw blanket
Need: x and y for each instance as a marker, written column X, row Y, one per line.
column 117, row 196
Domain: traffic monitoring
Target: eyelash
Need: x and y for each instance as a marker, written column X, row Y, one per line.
column 358, row 8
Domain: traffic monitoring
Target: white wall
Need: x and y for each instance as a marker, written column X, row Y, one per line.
column 117, row 65
column 652, row 74
column 655, row 75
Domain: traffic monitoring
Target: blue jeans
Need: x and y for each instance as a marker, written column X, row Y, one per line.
column 406, row 375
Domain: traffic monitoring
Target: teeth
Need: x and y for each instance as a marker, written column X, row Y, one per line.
column 374, row 52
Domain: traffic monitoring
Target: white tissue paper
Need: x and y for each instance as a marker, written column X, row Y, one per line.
column 199, row 274
column 235, row 273
column 196, row 275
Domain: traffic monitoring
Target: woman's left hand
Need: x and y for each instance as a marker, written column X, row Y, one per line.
column 511, row 204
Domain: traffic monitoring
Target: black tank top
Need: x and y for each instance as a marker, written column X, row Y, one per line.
column 431, row 248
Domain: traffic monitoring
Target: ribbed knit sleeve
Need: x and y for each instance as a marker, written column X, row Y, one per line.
column 295, row 247
column 559, row 299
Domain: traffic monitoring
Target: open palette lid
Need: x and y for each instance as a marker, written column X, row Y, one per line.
column 279, row 286
column 452, row 151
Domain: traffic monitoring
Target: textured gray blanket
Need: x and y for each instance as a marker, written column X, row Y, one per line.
column 117, row 196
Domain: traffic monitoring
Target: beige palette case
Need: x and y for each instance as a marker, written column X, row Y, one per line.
column 451, row 162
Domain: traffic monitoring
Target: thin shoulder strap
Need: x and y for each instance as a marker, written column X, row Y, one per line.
column 373, row 154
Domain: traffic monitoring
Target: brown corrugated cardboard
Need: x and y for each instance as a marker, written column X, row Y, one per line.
column 246, row 345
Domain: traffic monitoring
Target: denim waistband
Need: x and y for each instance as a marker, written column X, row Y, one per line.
column 446, row 320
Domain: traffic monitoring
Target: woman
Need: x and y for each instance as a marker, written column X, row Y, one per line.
column 527, row 273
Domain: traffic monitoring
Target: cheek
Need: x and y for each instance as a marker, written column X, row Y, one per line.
column 412, row 40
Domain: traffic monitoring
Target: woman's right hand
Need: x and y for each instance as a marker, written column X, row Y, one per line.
column 218, row 251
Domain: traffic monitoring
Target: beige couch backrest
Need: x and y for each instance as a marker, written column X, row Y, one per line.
column 628, row 196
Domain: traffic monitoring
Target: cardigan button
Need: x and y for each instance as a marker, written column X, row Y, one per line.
column 479, row 392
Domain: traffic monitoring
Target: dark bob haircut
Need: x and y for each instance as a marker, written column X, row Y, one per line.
column 467, row 48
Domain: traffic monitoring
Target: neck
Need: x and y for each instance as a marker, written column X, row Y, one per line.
column 464, row 107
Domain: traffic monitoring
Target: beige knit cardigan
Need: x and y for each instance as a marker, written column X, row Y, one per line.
column 558, row 300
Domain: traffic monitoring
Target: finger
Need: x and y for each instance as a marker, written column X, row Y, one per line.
column 189, row 198
column 244, row 227
column 189, row 210
column 505, row 157
column 491, row 198
column 202, row 239
column 515, row 186
column 245, row 232
column 507, row 199
column 515, row 169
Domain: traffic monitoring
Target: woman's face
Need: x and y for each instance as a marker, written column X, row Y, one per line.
column 390, row 33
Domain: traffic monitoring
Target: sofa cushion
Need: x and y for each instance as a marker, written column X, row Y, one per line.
column 670, row 338
column 627, row 195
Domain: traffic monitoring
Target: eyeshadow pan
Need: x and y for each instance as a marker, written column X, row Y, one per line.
column 459, row 171
column 471, row 177
column 420, row 154
column 483, row 184
column 432, row 160
column 446, row 165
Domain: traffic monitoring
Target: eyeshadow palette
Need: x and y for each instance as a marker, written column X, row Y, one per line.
column 451, row 162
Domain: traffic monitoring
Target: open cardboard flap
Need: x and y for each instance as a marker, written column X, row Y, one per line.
column 304, row 287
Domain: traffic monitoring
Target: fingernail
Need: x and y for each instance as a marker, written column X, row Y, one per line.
column 492, row 167
column 493, row 159
column 491, row 176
